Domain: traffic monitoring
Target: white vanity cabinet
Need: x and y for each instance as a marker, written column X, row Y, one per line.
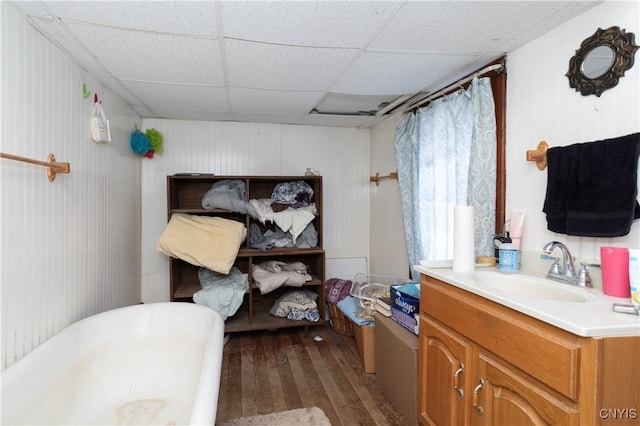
column 481, row 363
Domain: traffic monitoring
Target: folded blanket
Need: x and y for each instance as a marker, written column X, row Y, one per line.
column 337, row 289
column 224, row 293
column 273, row 274
column 592, row 187
column 228, row 194
column 210, row 242
column 297, row 305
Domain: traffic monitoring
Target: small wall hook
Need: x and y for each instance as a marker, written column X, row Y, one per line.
column 539, row 155
column 85, row 93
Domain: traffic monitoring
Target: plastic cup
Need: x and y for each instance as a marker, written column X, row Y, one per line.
column 615, row 271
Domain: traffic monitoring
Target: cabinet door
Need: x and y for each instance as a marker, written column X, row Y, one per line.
column 443, row 369
column 500, row 396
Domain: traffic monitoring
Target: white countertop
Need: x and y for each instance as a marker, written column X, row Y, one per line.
column 591, row 318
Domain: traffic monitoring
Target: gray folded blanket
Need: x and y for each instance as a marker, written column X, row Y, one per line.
column 228, row 194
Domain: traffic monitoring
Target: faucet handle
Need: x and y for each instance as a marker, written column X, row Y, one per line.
column 583, row 275
column 555, row 268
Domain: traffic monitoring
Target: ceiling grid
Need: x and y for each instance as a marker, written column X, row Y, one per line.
column 327, row 63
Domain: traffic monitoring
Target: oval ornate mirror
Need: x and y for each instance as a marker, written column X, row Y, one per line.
column 601, row 60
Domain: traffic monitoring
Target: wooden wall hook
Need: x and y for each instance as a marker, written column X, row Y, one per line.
column 539, row 155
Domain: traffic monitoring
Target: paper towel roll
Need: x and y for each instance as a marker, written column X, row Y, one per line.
column 463, row 239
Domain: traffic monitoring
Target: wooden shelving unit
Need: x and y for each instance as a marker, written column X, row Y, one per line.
column 184, row 195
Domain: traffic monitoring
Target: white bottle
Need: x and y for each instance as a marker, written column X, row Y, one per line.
column 508, row 258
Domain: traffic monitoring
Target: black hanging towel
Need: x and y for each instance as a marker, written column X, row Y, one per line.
column 592, row 187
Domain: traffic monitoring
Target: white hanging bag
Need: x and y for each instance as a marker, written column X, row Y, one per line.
column 99, row 124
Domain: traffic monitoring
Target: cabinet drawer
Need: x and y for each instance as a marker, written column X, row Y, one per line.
column 541, row 350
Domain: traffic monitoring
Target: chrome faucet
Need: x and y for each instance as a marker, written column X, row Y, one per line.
column 566, row 272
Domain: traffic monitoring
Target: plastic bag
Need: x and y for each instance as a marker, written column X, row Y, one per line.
column 99, row 124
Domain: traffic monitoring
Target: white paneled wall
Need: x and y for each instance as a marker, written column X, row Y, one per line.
column 388, row 244
column 542, row 106
column 70, row 248
column 227, row 148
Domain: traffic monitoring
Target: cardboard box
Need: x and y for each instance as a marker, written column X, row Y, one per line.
column 405, row 305
column 365, row 337
column 396, row 352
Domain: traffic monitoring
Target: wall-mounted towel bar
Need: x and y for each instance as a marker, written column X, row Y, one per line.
column 539, row 155
column 377, row 178
column 51, row 164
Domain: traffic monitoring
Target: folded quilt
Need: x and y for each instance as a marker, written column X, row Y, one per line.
column 210, row 242
column 297, row 305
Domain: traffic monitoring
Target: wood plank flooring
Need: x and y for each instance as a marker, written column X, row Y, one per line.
column 270, row 371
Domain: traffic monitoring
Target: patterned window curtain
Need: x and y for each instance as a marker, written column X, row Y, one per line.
column 446, row 154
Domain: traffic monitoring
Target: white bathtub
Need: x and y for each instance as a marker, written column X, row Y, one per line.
column 156, row 363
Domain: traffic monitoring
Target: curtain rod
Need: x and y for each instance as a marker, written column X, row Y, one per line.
column 494, row 67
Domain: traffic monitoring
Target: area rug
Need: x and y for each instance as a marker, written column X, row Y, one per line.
column 302, row 416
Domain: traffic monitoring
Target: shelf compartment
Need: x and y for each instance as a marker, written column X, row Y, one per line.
column 184, row 277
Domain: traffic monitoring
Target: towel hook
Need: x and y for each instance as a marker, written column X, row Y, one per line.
column 539, row 155
column 377, row 177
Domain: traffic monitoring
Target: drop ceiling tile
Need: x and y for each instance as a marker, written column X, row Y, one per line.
column 271, row 102
column 266, row 118
column 462, row 27
column 339, row 102
column 134, row 55
column 193, row 18
column 334, row 120
column 269, row 66
column 556, row 16
column 179, row 96
column 304, row 23
column 187, row 114
column 376, row 73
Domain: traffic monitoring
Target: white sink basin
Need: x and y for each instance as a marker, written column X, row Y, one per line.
column 529, row 286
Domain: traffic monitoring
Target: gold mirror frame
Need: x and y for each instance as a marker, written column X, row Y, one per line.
column 624, row 49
